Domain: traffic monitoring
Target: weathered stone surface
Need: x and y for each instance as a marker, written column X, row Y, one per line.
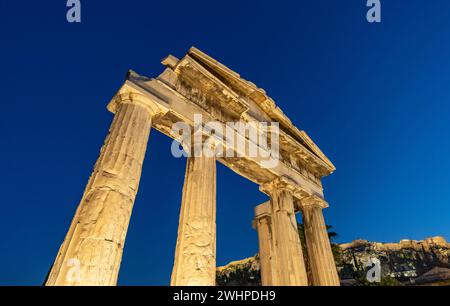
column 267, row 248
column 320, row 255
column 289, row 266
column 195, row 254
column 92, row 250
column 198, row 84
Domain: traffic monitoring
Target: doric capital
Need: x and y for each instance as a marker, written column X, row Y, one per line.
column 146, row 97
column 313, row 201
column 283, row 183
column 262, row 212
column 134, row 98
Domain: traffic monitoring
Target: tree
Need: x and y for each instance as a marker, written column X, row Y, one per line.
column 331, row 235
column 335, row 248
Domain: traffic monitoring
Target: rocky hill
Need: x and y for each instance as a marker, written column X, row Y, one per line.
column 245, row 272
column 409, row 262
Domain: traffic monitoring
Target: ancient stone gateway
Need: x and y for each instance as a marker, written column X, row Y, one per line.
column 197, row 84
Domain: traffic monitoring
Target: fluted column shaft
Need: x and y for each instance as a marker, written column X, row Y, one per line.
column 289, row 264
column 195, row 253
column 289, row 261
column 92, row 250
column 320, row 255
column 263, row 226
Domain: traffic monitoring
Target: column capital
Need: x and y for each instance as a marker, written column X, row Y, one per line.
column 262, row 210
column 313, row 201
column 283, row 183
column 135, row 97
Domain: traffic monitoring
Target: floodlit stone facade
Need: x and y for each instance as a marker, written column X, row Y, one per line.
column 199, row 85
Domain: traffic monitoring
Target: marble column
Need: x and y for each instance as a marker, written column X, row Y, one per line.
column 92, row 250
column 289, row 263
column 320, row 255
column 195, row 253
column 263, row 226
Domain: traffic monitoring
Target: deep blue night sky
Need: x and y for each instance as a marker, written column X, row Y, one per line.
column 374, row 97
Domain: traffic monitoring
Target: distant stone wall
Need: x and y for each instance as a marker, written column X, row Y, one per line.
column 425, row 244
